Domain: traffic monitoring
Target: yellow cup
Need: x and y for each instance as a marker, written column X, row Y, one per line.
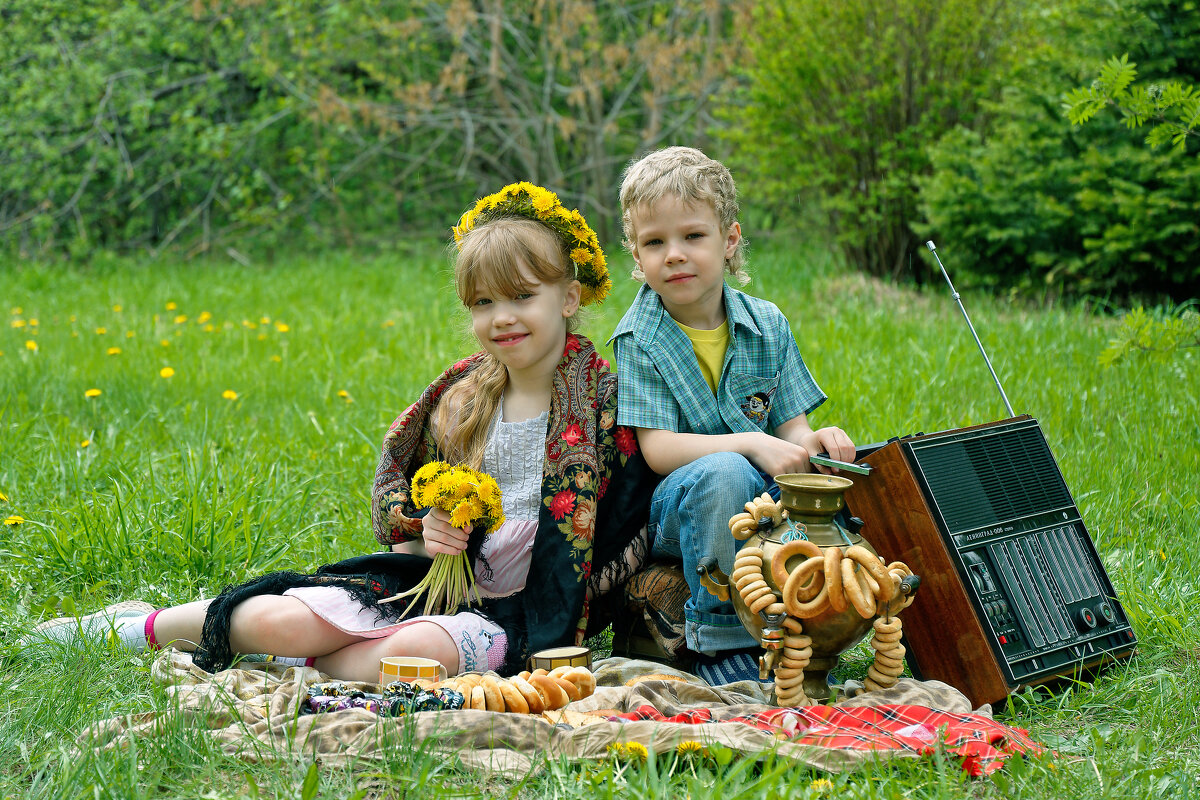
column 557, row 657
column 410, row 668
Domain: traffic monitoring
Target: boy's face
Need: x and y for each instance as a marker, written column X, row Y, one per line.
column 681, row 249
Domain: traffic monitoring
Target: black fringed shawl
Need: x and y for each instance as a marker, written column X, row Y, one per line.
column 595, row 501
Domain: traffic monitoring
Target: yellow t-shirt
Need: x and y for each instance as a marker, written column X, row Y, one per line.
column 710, row 347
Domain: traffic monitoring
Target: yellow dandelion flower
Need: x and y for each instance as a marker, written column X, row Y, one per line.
column 821, row 785
column 342, row 393
column 3, row 497
column 117, row 308
column 113, row 351
column 249, row 324
column 171, row 306
column 165, row 342
column 129, row 334
column 17, row 311
column 86, row 443
column 19, row 323
column 581, row 256
column 101, row 331
column 30, row 344
column 92, row 393
column 209, row 328
column 71, row 318
column 282, row 327
column 387, row 323
column 229, row 394
column 265, row 320
column 203, row 317
column 689, row 748
column 15, row 519
column 166, row 372
column 33, row 323
column 543, row 202
column 277, row 359
column 262, row 337
column 180, row 319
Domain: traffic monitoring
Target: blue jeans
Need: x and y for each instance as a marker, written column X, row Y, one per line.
column 689, row 519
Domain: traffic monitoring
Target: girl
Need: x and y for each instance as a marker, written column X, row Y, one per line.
column 536, row 409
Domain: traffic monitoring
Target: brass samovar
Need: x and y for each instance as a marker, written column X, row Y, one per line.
column 802, row 528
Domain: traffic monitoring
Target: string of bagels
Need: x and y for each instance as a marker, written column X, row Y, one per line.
column 828, row 580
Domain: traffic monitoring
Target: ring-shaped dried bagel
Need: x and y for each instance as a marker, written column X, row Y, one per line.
column 763, row 603
column 854, row 592
column 815, row 607
column 785, row 673
column 477, row 698
column 901, row 567
column 584, row 679
column 552, row 694
column 886, row 626
column 833, row 578
column 791, row 588
column 775, row 609
column 811, row 579
column 879, row 677
column 514, row 701
column 738, row 517
column 875, row 568
column 750, row 552
column 750, row 582
column 783, row 554
column 798, row 661
column 744, row 529
column 752, row 594
column 753, row 570
column 872, row 686
column 493, row 697
column 532, row 698
column 798, row 641
column 887, row 662
column 468, row 681
column 886, row 638
column 753, row 510
column 793, row 626
column 570, row 688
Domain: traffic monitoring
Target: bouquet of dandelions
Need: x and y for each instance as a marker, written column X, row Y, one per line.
column 470, row 498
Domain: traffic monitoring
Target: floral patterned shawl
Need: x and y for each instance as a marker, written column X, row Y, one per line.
column 595, row 499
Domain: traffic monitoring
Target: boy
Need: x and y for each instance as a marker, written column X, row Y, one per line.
column 712, row 381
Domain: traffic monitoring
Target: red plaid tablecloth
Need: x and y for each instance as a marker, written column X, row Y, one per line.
column 981, row 742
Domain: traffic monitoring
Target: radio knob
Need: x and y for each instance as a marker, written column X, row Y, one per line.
column 1106, row 613
column 1086, row 619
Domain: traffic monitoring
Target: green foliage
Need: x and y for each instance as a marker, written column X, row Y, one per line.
column 1035, row 203
column 224, row 123
column 844, row 96
column 1140, row 103
column 1159, row 334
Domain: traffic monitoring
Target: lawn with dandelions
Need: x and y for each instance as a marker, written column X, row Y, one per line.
column 169, row 428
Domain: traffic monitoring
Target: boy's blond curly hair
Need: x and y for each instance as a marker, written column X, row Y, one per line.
column 690, row 175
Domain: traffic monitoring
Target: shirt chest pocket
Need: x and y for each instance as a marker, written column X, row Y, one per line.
column 752, row 395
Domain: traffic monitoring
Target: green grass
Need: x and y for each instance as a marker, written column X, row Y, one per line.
column 180, row 491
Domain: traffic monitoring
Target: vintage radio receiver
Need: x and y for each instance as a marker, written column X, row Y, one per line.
column 1012, row 592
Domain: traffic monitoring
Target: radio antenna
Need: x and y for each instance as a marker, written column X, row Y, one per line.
column 958, row 299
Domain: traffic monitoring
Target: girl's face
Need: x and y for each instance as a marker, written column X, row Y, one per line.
column 526, row 332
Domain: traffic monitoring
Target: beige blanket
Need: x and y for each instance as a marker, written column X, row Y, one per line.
column 255, row 713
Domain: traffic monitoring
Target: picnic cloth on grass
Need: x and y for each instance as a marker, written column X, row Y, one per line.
column 255, row 713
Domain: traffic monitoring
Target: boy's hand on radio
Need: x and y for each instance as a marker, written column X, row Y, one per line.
column 776, row 456
column 442, row 537
column 835, row 443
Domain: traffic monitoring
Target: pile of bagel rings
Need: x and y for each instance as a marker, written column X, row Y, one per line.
column 526, row 693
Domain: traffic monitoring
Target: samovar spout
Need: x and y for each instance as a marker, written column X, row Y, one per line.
column 712, row 578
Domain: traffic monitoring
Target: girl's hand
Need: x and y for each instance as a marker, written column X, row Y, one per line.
column 834, row 442
column 776, row 456
column 442, row 537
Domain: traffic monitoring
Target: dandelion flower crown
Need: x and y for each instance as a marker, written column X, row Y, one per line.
column 527, row 200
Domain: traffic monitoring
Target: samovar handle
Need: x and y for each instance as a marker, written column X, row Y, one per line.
column 712, row 578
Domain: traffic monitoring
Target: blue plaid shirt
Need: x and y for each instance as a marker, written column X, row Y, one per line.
column 764, row 382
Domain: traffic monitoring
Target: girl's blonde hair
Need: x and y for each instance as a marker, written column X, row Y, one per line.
column 691, row 176
column 491, row 257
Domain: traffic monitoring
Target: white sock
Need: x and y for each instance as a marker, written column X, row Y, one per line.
column 131, row 632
